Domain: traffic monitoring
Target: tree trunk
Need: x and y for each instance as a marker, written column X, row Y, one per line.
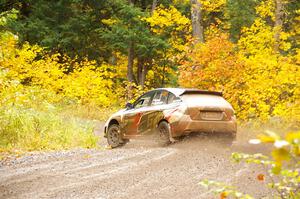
column 196, row 17
column 130, row 76
column 142, row 67
column 154, row 4
column 278, row 23
column 142, row 71
column 113, row 60
column 140, row 63
column 144, row 74
column 163, row 77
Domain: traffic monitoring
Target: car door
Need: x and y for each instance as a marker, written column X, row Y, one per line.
column 153, row 113
column 133, row 116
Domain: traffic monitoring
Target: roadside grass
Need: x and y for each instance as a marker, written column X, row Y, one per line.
column 44, row 126
column 276, row 124
column 28, row 129
column 88, row 111
column 35, row 119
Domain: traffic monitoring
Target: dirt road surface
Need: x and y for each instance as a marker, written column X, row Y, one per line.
column 141, row 169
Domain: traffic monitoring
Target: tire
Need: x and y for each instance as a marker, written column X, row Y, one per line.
column 164, row 133
column 231, row 138
column 114, row 138
column 233, row 134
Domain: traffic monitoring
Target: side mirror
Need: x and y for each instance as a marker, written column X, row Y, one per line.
column 129, row 106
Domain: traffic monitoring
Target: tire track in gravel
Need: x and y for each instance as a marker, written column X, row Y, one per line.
column 77, row 174
column 138, row 170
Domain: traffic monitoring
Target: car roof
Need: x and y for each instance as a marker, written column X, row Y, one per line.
column 181, row 91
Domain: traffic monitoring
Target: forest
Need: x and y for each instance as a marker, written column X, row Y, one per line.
column 67, row 65
column 74, row 61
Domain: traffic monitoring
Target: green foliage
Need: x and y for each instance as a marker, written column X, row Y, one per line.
column 98, row 31
column 64, row 26
column 240, row 14
column 6, row 17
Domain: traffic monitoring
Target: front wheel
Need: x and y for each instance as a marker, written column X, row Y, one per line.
column 114, row 138
column 164, row 132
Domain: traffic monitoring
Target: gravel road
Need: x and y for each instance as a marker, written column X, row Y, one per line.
column 141, row 169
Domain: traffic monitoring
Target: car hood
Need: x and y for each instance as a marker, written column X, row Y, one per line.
column 118, row 113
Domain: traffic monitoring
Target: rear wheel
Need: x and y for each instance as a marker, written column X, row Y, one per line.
column 114, row 138
column 231, row 137
column 164, row 132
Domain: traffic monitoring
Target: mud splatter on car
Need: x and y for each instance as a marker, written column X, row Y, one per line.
column 171, row 113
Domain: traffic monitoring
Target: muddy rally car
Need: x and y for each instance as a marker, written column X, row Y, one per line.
column 170, row 113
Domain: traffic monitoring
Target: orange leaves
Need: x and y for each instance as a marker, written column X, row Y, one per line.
column 260, row 177
column 213, row 66
column 223, row 195
column 258, row 83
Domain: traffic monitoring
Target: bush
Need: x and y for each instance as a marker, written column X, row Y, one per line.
column 47, row 100
column 28, row 129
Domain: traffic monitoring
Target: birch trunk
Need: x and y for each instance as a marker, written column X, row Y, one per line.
column 278, row 23
column 196, row 18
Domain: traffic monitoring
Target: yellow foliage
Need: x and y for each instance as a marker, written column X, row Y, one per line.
column 259, row 38
column 213, row 5
column 256, row 81
column 266, row 9
column 170, row 21
column 167, row 17
column 109, row 21
column 28, row 69
column 35, row 86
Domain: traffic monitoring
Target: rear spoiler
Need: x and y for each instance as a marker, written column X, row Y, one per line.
column 196, row 91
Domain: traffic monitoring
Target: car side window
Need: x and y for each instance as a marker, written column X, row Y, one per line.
column 173, row 99
column 144, row 100
column 160, row 98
